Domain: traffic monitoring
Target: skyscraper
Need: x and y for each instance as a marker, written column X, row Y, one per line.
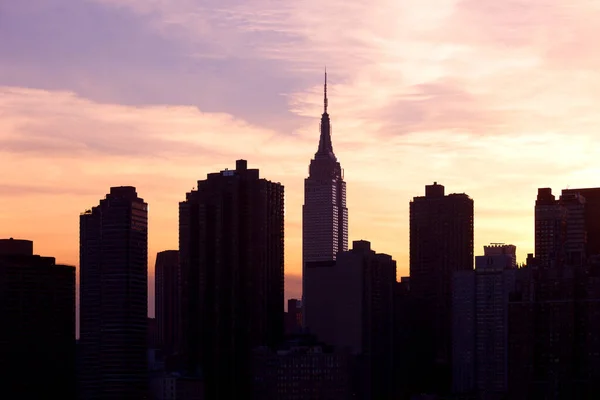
column 324, row 215
column 550, row 228
column 357, row 295
column 480, row 304
column 231, row 243
column 441, row 243
column 167, row 301
column 114, row 297
column 37, row 338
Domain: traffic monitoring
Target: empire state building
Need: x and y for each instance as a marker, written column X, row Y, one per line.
column 324, row 217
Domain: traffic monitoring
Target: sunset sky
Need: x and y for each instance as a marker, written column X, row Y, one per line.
column 490, row 98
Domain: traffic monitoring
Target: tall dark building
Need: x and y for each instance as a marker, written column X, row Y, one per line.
column 324, row 215
column 357, row 313
column 554, row 349
column 231, row 243
column 591, row 217
column 480, row 324
column 293, row 317
column 550, row 228
column 167, row 299
column 114, row 297
column 441, row 243
column 37, row 338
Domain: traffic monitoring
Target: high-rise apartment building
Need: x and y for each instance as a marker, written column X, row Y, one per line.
column 441, row 243
column 567, row 231
column 231, row 243
column 114, row 297
column 550, row 226
column 480, row 301
column 167, row 297
column 37, row 338
column 324, row 216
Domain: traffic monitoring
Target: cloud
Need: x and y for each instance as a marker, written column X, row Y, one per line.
column 489, row 98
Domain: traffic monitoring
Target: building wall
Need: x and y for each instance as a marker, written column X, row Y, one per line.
column 302, row 372
column 37, row 338
column 356, row 293
column 441, row 243
column 168, row 301
column 480, row 324
column 231, row 248
column 114, row 297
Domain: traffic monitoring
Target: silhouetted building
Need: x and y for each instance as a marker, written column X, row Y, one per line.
column 152, row 333
column 567, row 230
column 324, row 217
column 302, row 369
column 231, row 241
column 167, row 301
column 174, row 386
column 37, row 334
column 441, row 243
column 293, row 317
column 554, row 351
column 480, row 324
column 591, row 217
column 357, row 313
column 114, row 298
column 404, row 338
column 550, row 225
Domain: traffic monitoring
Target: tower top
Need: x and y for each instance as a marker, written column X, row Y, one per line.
column 325, row 93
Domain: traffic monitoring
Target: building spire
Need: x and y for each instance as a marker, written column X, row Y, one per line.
column 325, row 146
column 325, row 92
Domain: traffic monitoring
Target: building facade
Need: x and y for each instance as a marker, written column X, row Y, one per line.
column 302, row 369
column 357, row 314
column 480, row 301
column 37, row 310
column 441, row 243
column 324, row 216
column 114, row 297
column 231, row 242
column 167, row 292
column 293, row 317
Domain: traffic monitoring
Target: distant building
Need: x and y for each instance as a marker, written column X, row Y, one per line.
column 441, row 243
column 114, row 297
column 152, row 333
column 174, row 386
column 302, row 369
column 324, row 217
column 357, row 313
column 550, row 228
column 167, row 298
column 37, row 337
column 567, row 230
column 231, row 241
column 293, row 317
column 480, row 302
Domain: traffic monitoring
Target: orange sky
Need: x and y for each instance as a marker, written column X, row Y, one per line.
column 494, row 99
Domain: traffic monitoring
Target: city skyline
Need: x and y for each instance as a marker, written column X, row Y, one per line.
column 414, row 98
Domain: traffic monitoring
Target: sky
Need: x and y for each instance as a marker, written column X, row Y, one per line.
column 493, row 99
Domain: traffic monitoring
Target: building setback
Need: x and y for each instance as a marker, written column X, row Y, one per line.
column 114, row 297
column 37, row 310
column 441, row 243
column 324, row 217
column 231, row 241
